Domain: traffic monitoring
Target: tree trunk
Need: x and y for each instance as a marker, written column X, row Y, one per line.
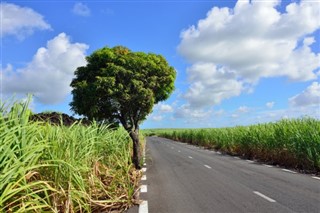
column 134, row 135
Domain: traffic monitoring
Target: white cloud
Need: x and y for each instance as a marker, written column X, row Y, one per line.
column 20, row 21
column 81, row 9
column 163, row 108
column 249, row 42
column 219, row 112
column 292, row 112
column 210, row 85
column 243, row 109
column 234, row 115
column 308, row 97
column 50, row 72
column 156, row 118
column 190, row 114
column 270, row 104
column 240, row 111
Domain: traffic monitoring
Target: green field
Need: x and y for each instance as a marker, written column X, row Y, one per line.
column 47, row 168
column 291, row 143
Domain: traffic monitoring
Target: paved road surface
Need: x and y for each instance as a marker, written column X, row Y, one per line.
column 184, row 178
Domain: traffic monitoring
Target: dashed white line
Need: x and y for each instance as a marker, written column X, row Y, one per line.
column 264, row 196
column 144, row 177
column 250, row 161
column 209, row 167
column 143, row 207
column 269, row 166
column 287, row 170
column 314, row 177
column 219, row 153
column 236, row 158
column 190, row 157
column 144, row 169
column 143, row 188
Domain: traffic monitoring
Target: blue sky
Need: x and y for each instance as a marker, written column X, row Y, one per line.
column 237, row 62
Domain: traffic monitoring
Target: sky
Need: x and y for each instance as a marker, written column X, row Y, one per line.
column 237, row 62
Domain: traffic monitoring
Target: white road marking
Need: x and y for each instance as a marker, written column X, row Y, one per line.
column 207, row 166
column 250, row 161
column 318, row 178
column 144, row 177
column 143, row 188
column 143, row 207
column 287, row 170
column 144, row 169
column 236, row 158
column 190, row 157
column 269, row 166
column 179, row 151
column 264, row 196
column 219, row 153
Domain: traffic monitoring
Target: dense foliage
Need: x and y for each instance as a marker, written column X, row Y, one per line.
column 121, row 86
column 57, row 118
column 293, row 143
column 50, row 168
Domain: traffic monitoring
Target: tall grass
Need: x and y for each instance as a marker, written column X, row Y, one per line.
column 294, row 143
column 45, row 168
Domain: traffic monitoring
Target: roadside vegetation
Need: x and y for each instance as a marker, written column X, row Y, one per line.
column 291, row 143
column 56, row 168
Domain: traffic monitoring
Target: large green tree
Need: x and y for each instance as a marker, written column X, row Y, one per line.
column 121, row 86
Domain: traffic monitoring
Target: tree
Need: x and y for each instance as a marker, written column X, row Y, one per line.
column 121, row 86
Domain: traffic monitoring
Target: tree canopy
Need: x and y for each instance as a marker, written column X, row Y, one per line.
column 121, row 86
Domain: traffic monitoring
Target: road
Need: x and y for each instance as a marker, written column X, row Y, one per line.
column 184, row 178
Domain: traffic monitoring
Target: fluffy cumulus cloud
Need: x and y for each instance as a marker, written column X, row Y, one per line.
column 81, row 9
column 20, row 21
column 309, row 97
column 50, row 72
column 253, row 40
column 211, row 84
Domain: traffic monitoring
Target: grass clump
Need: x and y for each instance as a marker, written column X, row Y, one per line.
column 49, row 168
column 293, row 143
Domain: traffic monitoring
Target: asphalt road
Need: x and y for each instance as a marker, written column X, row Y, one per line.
column 184, row 178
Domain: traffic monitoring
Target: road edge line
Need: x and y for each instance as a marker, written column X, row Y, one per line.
column 143, row 207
